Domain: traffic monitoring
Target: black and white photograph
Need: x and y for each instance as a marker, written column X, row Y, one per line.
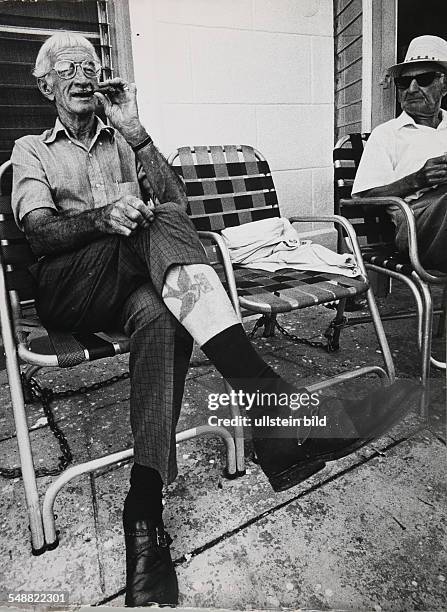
column 223, row 304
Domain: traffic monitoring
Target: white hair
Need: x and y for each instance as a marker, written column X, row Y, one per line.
column 53, row 44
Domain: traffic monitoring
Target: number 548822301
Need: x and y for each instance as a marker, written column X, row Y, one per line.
column 47, row 597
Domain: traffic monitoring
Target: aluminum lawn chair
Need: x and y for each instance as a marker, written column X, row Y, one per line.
column 375, row 232
column 18, row 319
column 232, row 184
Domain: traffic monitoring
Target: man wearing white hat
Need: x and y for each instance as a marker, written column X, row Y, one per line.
column 407, row 156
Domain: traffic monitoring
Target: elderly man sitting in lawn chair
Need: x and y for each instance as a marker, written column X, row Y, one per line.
column 407, row 157
column 105, row 215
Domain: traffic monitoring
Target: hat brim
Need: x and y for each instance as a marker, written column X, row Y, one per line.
column 396, row 70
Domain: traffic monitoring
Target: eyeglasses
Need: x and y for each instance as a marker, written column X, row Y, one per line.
column 66, row 69
column 423, row 80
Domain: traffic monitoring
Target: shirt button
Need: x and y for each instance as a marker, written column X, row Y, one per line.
column 90, row 155
column 98, row 185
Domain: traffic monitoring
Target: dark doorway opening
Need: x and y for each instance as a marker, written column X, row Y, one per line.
column 418, row 17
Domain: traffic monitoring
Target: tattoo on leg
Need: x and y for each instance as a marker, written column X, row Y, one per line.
column 188, row 292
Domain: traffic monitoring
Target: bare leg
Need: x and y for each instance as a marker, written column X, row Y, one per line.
column 196, row 298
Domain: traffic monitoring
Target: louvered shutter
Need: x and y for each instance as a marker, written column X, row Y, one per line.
column 23, row 28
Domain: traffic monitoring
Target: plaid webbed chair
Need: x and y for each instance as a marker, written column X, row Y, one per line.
column 375, row 232
column 231, row 185
column 28, row 343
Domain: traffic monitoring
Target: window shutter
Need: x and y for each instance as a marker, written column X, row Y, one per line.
column 23, row 28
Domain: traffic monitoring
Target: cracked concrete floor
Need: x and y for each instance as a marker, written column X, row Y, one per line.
column 366, row 533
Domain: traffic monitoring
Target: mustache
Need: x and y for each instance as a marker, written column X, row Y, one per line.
column 85, row 90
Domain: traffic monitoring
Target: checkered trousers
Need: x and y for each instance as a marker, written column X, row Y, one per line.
column 116, row 282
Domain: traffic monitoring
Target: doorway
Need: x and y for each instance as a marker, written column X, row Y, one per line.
column 394, row 24
column 418, row 17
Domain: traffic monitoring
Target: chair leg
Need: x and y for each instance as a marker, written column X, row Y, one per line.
column 425, row 344
column 25, row 452
column 26, row 463
column 269, row 326
column 21, row 424
column 442, row 318
column 52, row 491
column 332, row 334
column 380, row 332
column 424, row 305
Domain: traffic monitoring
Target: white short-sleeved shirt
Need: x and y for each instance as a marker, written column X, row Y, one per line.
column 398, row 148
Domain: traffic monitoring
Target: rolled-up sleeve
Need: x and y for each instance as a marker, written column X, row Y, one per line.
column 30, row 187
column 376, row 166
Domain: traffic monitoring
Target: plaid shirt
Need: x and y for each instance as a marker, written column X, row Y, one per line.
column 52, row 170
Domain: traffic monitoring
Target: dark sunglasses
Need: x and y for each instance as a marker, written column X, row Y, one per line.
column 423, row 80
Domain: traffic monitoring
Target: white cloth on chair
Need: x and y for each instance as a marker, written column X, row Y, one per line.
column 273, row 244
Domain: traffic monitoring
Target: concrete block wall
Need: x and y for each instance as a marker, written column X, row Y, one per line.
column 256, row 72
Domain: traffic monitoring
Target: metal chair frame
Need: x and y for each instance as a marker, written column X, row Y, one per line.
column 247, row 307
column 41, row 517
column 418, row 280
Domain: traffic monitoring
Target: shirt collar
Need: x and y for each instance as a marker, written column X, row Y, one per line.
column 404, row 120
column 59, row 127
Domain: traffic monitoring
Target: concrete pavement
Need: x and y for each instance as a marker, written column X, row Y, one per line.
column 366, row 533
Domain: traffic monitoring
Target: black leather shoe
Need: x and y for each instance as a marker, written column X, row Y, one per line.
column 289, row 458
column 150, row 573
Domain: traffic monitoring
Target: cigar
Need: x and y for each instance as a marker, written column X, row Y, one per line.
column 110, row 88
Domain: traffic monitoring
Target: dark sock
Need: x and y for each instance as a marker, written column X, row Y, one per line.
column 241, row 365
column 244, row 369
column 144, row 500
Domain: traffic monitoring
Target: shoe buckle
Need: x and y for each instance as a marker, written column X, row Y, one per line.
column 161, row 537
column 301, row 441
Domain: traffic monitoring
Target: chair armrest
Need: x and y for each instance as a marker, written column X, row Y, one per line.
column 348, row 228
column 227, row 265
column 383, row 202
